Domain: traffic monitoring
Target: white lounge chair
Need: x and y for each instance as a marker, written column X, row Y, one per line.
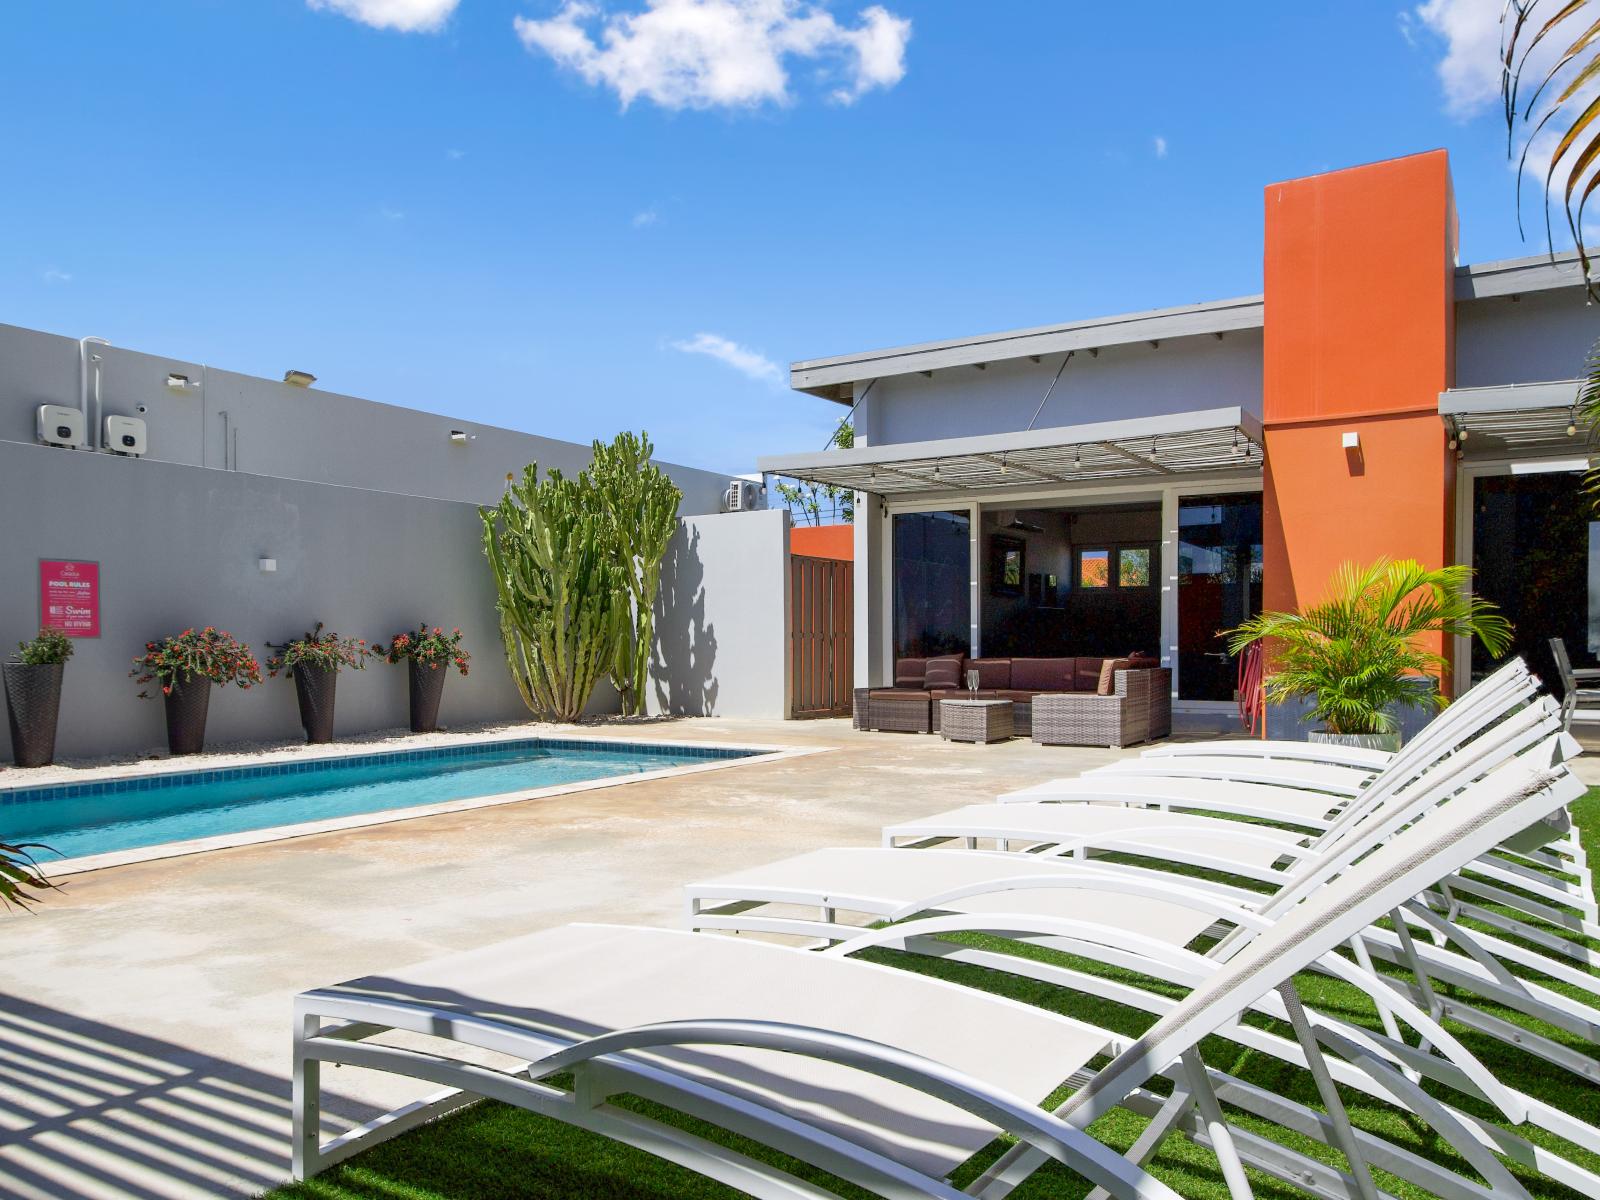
column 1115, row 914
column 877, row 1076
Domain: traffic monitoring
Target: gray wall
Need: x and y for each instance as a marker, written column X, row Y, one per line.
column 266, row 427
column 1537, row 337
column 722, row 634
column 179, row 546
column 1123, row 382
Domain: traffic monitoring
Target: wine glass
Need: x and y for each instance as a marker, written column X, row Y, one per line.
column 972, row 681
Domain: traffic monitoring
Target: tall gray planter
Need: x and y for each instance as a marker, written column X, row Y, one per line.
column 427, row 686
column 187, row 704
column 314, row 687
column 33, row 703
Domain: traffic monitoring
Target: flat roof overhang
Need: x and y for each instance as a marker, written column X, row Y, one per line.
column 1518, row 418
column 1214, row 439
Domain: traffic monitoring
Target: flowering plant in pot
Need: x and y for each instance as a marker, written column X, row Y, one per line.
column 314, row 661
column 33, row 696
column 1361, row 653
column 428, row 653
column 185, row 667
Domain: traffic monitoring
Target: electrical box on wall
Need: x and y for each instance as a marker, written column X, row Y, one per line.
column 60, row 426
column 125, row 435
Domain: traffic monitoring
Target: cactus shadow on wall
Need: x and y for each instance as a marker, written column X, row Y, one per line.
column 683, row 660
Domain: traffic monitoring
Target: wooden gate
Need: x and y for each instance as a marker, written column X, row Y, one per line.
column 821, row 648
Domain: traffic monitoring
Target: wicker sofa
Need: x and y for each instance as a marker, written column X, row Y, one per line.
column 1089, row 704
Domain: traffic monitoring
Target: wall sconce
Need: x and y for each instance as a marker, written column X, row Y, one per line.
column 267, row 565
column 180, row 383
column 302, row 379
column 1351, row 441
column 460, row 437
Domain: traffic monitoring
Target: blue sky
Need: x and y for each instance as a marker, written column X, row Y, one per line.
column 486, row 208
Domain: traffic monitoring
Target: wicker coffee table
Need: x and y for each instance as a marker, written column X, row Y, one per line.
column 975, row 720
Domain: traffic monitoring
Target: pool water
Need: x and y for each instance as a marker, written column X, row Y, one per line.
column 77, row 819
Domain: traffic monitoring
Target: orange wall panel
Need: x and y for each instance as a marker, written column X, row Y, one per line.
column 824, row 541
column 1359, row 338
column 1359, row 290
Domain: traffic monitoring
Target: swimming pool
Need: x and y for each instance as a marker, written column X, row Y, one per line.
column 80, row 819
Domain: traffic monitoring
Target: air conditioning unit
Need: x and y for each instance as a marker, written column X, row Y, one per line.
column 125, row 435
column 743, row 495
column 60, row 426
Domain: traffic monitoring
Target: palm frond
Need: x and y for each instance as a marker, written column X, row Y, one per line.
column 1360, row 652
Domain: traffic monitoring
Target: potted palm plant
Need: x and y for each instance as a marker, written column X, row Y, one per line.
column 185, row 667
column 33, row 696
column 314, row 661
column 427, row 654
column 1359, row 654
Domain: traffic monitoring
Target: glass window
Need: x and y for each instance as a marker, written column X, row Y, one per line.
column 1094, row 568
column 932, row 584
column 1534, row 555
column 1133, row 567
column 1219, row 586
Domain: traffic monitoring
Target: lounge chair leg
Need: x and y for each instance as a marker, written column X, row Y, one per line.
column 1216, row 1123
column 306, row 1103
column 1343, row 1135
column 1153, row 1134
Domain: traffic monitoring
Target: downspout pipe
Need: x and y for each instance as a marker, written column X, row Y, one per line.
column 90, row 426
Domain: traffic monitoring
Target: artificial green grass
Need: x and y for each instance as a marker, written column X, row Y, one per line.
column 492, row 1151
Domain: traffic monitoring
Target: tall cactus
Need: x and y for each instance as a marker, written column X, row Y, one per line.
column 562, row 597
column 641, row 507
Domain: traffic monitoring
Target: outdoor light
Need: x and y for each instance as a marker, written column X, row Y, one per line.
column 1451, row 444
column 458, row 437
column 299, row 378
column 1351, row 440
column 1464, row 434
column 267, row 565
column 1572, row 423
column 178, row 382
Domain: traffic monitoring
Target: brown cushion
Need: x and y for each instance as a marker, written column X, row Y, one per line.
column 909, row 672
column 1017, row 695
column 898, row 694
column 1086, row 677
column 992, row 672
column 1140, row 661
column 1042, row 674
column 942, row 673
column 1108, row 670
column 963, row 694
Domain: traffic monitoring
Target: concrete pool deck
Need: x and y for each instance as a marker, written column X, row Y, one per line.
column 144, row 1010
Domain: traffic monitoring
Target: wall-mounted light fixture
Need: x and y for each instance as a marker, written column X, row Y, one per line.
column 180, row 383
column 1351, row 441
column 299, row 378
column 460, row 437
column 267, row 565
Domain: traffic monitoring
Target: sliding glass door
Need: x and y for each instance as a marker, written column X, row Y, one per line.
column 1219, row 586
column 932, row 584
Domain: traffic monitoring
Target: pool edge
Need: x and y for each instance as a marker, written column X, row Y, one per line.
column 755, row 753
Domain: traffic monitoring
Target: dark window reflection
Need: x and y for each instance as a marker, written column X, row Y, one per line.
column 1219, row 585
column 932, row 584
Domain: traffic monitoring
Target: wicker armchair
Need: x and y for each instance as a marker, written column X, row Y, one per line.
column 1138, row 710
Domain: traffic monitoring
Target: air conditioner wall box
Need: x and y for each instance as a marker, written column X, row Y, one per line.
column 61, row 426
column 743, row 495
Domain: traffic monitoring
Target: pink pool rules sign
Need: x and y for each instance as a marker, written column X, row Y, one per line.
column 69, row 597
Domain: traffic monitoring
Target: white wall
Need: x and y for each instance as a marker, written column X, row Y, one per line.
column 266, row 427
column 1122, row 382
column 179, row 546
column 1537, row 337
column 722, row 632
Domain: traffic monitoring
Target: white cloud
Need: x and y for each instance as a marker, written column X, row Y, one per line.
column 391, row 214
column 741, row 358
column 406, row 16
column 1160, row 144
column 455, row 155
column 720, row 53
column 645, row 219
column 1470, row 69
column 55, row 275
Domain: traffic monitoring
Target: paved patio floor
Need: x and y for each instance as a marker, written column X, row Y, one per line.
column 144, row 1011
